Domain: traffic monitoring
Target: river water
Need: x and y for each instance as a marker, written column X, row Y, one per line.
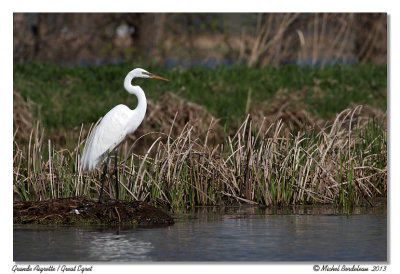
column 242, row 234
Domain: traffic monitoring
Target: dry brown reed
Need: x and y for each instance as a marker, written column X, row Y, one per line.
column 288, row 107
column 22, row 116
column 315, row 38
column 272, row 38
column 162, row 114
column 344, row 163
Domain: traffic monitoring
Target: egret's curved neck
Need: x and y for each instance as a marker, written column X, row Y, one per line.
column 140, row 110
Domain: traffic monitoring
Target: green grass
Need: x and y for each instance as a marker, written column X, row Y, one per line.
column 65, row 97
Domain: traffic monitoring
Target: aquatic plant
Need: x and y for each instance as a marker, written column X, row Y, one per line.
column 343, row 163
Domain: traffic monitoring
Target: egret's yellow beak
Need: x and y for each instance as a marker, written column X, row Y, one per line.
column 157, row 77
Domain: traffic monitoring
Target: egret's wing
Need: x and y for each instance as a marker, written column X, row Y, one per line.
column 110, row 132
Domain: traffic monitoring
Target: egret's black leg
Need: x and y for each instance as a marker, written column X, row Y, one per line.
column 103, row 177
column 116, row 176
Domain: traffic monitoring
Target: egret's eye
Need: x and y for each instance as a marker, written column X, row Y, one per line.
column 145, row 73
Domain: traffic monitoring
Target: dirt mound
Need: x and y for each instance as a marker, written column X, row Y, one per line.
column 81, row 210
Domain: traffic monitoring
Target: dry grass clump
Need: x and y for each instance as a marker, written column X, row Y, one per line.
column 316, row 39
column 159, row 117
column 22, row 117
column 344, row 163
column 289, row 108
column 163, row 113
column 263, row 165
column 368, row 112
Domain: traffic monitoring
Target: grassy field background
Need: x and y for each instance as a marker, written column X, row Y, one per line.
column 65, row 97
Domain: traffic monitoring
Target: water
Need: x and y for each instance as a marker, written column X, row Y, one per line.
column 233, row 234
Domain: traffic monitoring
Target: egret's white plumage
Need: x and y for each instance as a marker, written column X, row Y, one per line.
column 116, row 124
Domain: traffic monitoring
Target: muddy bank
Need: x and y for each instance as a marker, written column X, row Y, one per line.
column 81, row 211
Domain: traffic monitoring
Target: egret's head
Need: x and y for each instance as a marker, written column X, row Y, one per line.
column 141, row 73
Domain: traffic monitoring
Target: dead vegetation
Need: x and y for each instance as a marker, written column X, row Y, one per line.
column 172, row 109
column 265, row 162
column 289, row 108
column 22, row 116
column 266, row 38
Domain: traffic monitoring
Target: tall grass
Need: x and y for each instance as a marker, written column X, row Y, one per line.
column 344, row 163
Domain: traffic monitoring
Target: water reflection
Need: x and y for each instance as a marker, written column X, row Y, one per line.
column 112, row 247
column 227, row 234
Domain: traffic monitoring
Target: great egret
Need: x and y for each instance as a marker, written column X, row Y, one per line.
column 115, row 125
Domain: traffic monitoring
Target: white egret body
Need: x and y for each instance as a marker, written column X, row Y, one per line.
column 116, row 124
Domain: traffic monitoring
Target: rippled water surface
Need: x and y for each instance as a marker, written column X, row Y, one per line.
column 233, row 234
